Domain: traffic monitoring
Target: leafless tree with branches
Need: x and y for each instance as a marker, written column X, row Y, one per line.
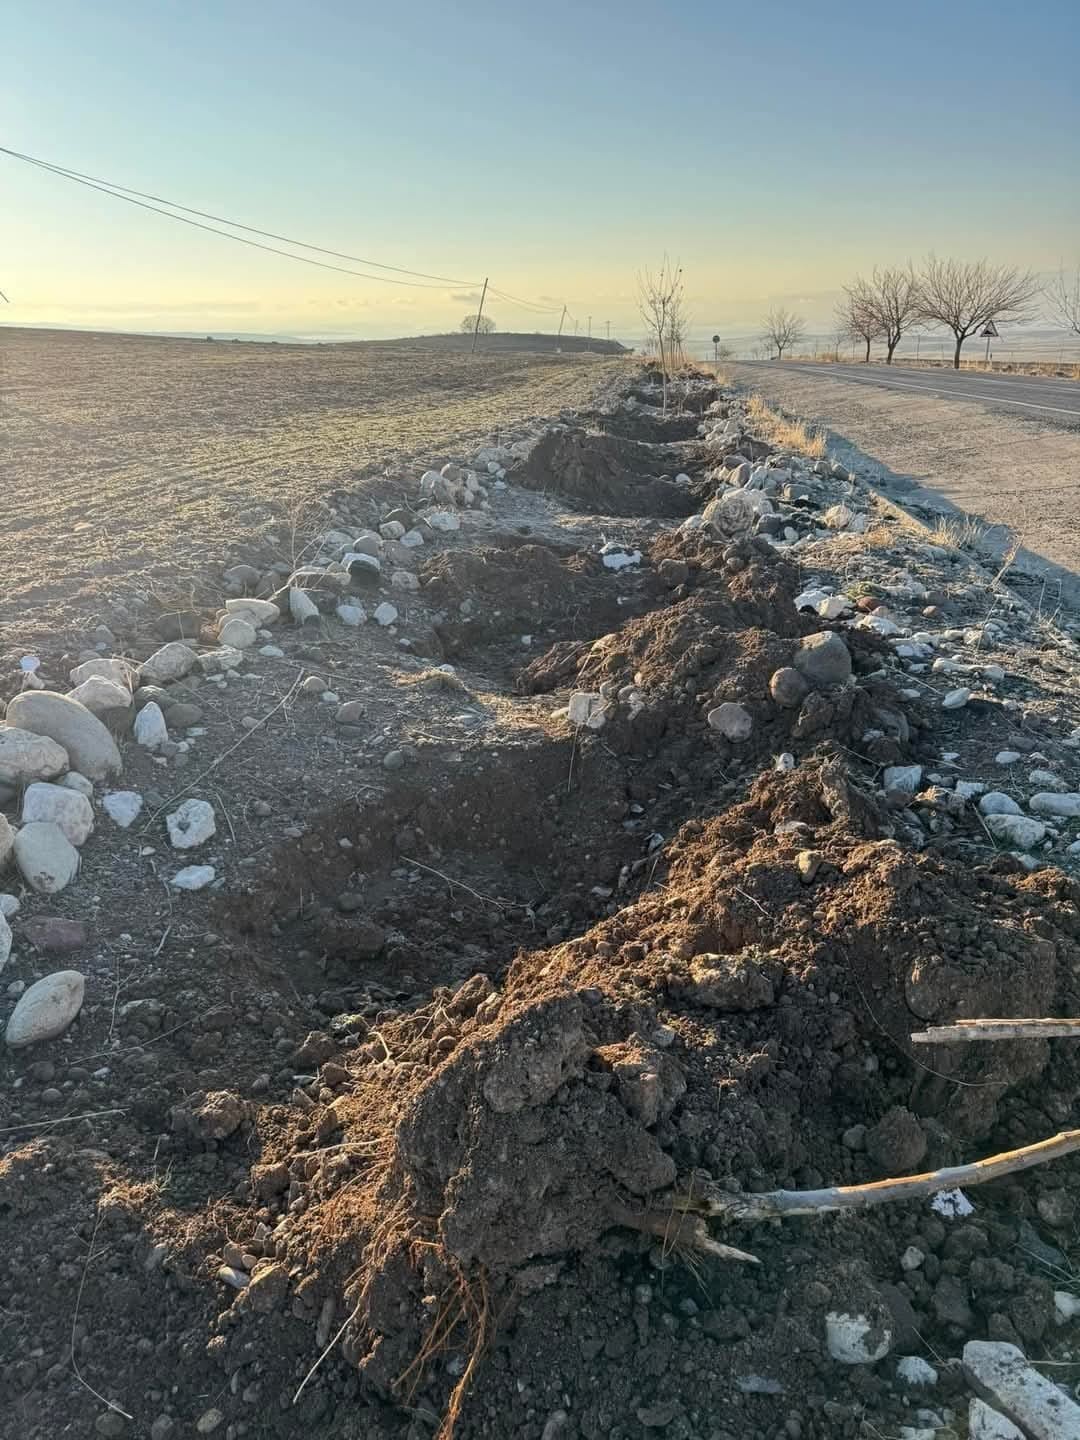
column 966, row 295
column 894, row 296
column 660, row 303
column 473, row 326
column 783, row 328
column 856, row 316
column 1063, row 296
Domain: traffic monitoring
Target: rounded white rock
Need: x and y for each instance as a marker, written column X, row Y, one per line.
column 122, row 807
column 90, row 747
column 191, row 824
column 150, row 729
column 193, row 877
column 172, row 662
column 237, row 631
column 46, row 1009
column 25, row 756
column 46, row 858
column 59, row 805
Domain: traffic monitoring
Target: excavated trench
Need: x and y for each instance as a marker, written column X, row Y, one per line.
column 604, row 969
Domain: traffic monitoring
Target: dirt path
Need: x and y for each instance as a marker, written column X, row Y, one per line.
column 1022, row 475
column 129, row 458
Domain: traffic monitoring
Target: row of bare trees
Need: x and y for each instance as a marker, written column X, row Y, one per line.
column 964, row 296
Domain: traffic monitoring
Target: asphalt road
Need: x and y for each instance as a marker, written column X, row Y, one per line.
column 1055, row 401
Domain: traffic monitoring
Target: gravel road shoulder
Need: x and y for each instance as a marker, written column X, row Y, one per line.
column 1021, row 476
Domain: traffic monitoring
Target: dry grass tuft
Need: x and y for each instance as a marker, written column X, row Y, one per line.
column 786, row 434
column 959, row 532
column 433, row 679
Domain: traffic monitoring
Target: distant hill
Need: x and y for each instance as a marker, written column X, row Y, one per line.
column 504, row 341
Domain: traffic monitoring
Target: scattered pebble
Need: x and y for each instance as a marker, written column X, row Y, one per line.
column 191, row 824
column 193, row 877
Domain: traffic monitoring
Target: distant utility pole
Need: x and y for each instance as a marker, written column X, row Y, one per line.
column 607, row 323
column 562, row 319
column 479, row 313
column 590, row 327
column 575, row 327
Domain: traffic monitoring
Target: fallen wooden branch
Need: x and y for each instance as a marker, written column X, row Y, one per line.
column 965, row 1030
column 776, row 1204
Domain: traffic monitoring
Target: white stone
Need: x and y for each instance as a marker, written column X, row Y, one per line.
column 838, row 517
column 956, row 699
column 351, row 614
column 404, row 580
column 301, row 607
column 856, row 1339
column 45, row 856
column 9, row 905
column 1066, row 1306
column 444, row 520
column 1016, row 830
column 833, row 606
column 264, row 611
column 74, row 781
column 238, row 632
column 46, row 1009
column 1047, row 780
column 360, row 564
column 411, row 539
column 118, row 672
column 912, row 1258
column 172, row 662
column 193, row 877
column 618, row 557
column 26, row 756
column 216, row 662
column 880, row 625
column 994, row 673
column 583, row 705
column 968, row 789
column 5, row 940
column 61, row 806
column 953, row 1204
column 985, row 1423
column 1050, row 803
column 392, row 530
column 732, row 721
column 90, row 748
column 150, row 729
column 272, row 652
column 1001, row 1376
column 191, row 824
column 122, row 807
column 98, row 694
column 385, row 614
column 914, row 1371
column 903, row 779
column 995, row 802
column 810, row 599
column 1006, row 757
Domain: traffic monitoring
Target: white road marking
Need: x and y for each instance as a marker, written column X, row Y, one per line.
column 942, row 392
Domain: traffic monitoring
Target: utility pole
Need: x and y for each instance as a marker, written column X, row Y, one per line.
column 562, row 319
column 479, row 313
column 590, row 327
column 607, row 323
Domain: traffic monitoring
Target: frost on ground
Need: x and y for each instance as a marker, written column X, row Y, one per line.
column 448, row 962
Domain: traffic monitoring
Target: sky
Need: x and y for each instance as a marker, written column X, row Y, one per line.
column 775, row 149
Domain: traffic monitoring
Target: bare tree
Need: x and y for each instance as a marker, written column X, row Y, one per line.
column 660, row 301
column 894, row 299
column 856, row 315
column 966, row 295
column 1063, row 296
column 471, row 325
column 783, row 328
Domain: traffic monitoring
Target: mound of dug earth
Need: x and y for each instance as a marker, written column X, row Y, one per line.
column 604, row 474
column 473, row 1201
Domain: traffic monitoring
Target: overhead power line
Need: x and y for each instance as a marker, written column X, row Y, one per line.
column 173, row 210
column 117, row 192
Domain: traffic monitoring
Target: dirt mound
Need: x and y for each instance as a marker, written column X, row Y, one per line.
column 496, row 1156
column 629, row 422
column 605, row 474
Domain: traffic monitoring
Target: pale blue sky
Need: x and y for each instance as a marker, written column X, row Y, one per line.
column 775, row 148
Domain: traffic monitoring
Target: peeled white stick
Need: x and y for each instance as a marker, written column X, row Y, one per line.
column 776, row 1204
column 965, row 1030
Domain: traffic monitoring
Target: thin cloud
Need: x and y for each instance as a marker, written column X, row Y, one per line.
column 466, row 297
